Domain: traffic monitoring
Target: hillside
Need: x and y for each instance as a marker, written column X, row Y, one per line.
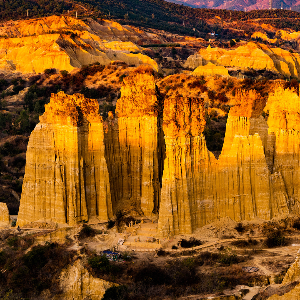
column 156, row 14
column 240, row 4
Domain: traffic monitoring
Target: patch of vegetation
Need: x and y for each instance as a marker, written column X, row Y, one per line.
column 115, row 293
column 87, row 231
column 192, row 242
column 276, row 238
column 245, row 243
column 110, row 224
column 38, row 269
column 296, row 224
column 239, row 228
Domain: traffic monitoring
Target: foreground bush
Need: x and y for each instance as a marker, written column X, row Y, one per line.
column 276, row 238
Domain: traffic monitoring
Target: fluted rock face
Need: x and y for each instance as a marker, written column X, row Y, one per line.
column 284, row 125
column 186, row 156
column 134, row 153
column 198, row 189
column 66, row 177
column 77, row 283
column 4, row 214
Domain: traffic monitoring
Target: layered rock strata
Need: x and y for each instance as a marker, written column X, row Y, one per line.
column 134, row 144
column 75, row 172
column 66, row 176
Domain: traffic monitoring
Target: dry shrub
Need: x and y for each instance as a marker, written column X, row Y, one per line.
column 143, row 69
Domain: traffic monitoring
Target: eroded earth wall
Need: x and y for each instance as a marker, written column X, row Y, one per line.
column 156, row 162
column 66, row 176
column 134, row 143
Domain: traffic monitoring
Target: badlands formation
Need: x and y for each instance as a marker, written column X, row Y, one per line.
column 251, row 55
column 152, row 159
column 66, row 43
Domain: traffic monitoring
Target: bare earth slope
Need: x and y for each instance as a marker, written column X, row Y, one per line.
column 66, row 43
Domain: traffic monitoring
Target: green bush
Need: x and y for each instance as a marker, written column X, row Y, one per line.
column 100, row 263
column 126, row 256
column 110, row 224
column 13, row 241
column 50, row 71
column 64, row 73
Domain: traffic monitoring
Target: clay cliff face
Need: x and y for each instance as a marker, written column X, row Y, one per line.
column 186, row 155
column 77, row 283
column 198, row 189
column 75, row 172
column 252, row 55
column 134, row 153
column 284, row 125
column 66, row 176
column 66, row 43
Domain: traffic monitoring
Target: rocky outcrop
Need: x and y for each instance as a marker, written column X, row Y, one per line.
column 198, row 189
column 65, row 43
column 253, row 55
column 194, row 61
column 284, row 126
column 77, row 283
column 4, row 214
column 290, row 282
column 134, row 153
column 66, row 176
column 75, row 172
column 186, row 159
column 263, row 36
column 210, row 70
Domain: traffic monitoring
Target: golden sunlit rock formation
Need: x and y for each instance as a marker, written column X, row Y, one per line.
column 251, row 55
column 292, row 275
column 263, row 36
column 75, row 172
column 66, row 177
column 284, row 125
column 65, row 43
column 77, row 283
column 133, row 152
column 186, row 157
column 4, row 214
column 210, row 70
column 198, row 189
